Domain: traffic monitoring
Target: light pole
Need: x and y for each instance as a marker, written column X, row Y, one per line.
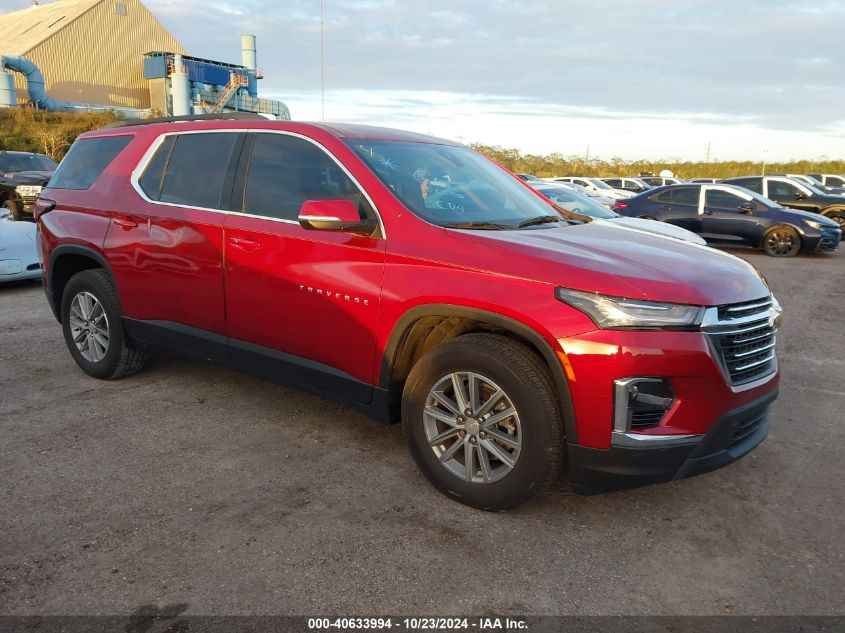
column 765, row 156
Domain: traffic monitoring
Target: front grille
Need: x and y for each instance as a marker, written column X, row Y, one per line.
column 746, row 427
column 744, row 338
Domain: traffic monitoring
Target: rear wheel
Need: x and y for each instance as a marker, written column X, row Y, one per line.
column 483, row 422
column 782, row 241
column 93, row 330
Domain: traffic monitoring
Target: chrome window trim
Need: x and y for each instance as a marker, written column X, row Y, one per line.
column 151, row 150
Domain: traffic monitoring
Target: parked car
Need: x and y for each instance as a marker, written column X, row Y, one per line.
column 809, row 180
column 572, row 201
column 659, row 181
column 634, row 185
column 22, row 176
column 830, row 180
column 414, row 280
column 605, row 202
column 18, row 254
column 595, row 185
column 703, row 180
column 528, row 177
column 795, row 194
column 727, row 215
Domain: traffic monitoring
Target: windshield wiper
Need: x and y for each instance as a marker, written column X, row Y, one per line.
column 486, row 226
column 540, row 219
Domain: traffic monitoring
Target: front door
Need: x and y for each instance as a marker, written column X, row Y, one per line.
column 301, row 304
column 723, row 221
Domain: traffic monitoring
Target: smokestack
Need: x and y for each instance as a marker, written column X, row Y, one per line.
column 248, row 54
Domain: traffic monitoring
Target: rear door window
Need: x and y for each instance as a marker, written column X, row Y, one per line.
column 86, row 160
column 198, row 168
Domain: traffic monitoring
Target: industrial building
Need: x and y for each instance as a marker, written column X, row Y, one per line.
column 94, row 55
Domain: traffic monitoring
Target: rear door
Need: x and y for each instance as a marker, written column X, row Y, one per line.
column 173, row 262
column 301, row 304
column 678, row 206
column 723, row 220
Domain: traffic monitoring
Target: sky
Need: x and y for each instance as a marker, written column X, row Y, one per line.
column 753, row 79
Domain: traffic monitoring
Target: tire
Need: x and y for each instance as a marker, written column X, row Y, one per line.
column 837, row 215
column 534, row 434
column 14, row 209
column 782, row 241
column 82, row 318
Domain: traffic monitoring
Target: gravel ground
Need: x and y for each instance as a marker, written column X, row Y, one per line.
column 195, row 485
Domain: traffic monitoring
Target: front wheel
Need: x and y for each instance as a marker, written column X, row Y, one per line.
column 782, row 241
column 483, row 421
column 93, row 330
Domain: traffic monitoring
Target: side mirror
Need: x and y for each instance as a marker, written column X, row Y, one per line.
column 334, row 215
column 746, row 207
column 800, row 195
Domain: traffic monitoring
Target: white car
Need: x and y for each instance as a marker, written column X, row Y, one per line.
column 594, row 184
column 18, row 253
column 571, row 200
column 604, row 201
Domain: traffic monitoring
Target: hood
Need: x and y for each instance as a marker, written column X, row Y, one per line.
column 14, row 235
column 604, row 258
column 658, row 228
column 27, row 177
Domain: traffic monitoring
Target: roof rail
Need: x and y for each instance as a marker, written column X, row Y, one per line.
column 219, row 116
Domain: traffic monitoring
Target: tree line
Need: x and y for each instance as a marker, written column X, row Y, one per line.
column 557, row 164
column 51, row 133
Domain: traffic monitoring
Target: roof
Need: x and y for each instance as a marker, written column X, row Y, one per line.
column 339, row 130
column 25, row 29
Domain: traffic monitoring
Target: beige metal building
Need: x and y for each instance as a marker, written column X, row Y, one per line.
column 90, row 51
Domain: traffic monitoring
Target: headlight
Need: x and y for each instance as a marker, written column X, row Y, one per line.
column 615, row 313
column 813, row 224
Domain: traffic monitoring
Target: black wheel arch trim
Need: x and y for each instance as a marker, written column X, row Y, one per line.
column 403, row 326
column 73, row 249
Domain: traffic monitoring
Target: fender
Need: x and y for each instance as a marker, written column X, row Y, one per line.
column 402, row 327
column 71, row 249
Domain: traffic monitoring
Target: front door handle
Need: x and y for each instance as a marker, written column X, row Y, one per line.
column 708, row 212
column 245, row 244
column 125, row 223
column 664, row 207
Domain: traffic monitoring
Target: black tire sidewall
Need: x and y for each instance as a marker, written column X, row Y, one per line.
column 96, row 284
column 530, row 471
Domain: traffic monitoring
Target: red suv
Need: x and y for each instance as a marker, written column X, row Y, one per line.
column 414, row 280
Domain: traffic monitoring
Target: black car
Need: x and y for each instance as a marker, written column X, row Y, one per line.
column 792, row 193
column 728, row 215
column 22, row 176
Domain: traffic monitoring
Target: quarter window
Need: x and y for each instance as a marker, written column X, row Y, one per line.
column 285, row 171
column 197, row 169
column 153, row 176
column 86, row 160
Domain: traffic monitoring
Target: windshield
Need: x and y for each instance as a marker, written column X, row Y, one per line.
column 10, row 163
column 454, row 186
column 599, row 183
column 575, row 202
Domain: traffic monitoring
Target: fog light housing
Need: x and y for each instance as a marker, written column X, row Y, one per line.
column 640, row 403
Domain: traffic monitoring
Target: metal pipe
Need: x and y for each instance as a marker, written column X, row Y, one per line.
column 180, row 89
column 34, row 83
column 249, row 59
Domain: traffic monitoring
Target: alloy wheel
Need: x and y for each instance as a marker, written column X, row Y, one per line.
column 781, row 243
column 89, row 327
column 473, row 427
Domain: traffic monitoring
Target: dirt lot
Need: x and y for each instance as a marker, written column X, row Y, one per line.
column 193, row 484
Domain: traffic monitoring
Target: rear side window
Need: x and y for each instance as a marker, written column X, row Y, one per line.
column 197, row 168
column 86, row 160
column 285, row 171
column 153, row 176
column 679, row 195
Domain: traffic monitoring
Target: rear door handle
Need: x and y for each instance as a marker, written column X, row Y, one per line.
column 125, row 223
column 245, row 244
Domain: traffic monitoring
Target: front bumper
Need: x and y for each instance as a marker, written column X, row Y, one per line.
column 827, row 241
column 734, row 435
